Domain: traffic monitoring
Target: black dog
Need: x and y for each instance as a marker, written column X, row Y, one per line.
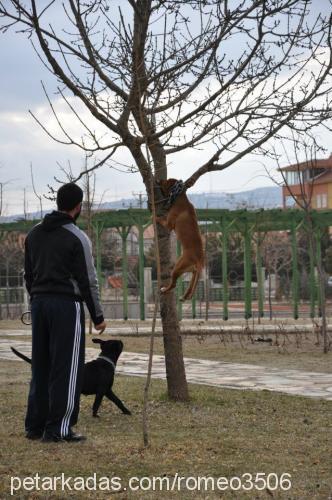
column 99, row 374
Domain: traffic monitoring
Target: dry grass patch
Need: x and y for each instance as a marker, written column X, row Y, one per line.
column 219, row 433
column 292, row 354
column 298, row 352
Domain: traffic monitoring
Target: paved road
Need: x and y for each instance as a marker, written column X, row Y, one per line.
column 212, row 373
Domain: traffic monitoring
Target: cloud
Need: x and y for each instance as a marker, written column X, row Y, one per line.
column 23, row 141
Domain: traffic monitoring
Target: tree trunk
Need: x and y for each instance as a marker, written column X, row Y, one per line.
column 175, row 370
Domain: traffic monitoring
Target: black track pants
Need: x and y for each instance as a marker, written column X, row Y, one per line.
column 58, row 340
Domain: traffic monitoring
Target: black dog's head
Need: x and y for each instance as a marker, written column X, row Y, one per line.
column 110, row 348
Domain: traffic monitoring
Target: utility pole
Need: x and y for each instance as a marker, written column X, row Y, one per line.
column 207, row 273
column 1, row 197
column 140, row 198
column 25, row 204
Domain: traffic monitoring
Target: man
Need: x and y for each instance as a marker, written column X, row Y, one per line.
column 59, row 275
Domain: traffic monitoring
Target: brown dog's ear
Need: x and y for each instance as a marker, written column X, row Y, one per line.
column 162, row 184
column 97, row 341
column 170, row 183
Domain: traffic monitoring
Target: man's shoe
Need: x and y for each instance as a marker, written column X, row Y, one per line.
column 73, row 437
column 55, row 438
column 34, row 435
column 51, row 438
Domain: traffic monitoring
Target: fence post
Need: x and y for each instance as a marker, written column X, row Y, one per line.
column 312, row 281
column 124, row 233
column 260, row 281
column 141, row 269
column 247, row 272
column 98, row 227
column 179, row 284
column 193, row 306
column 224, row 268
column 318, row 259
column 295, row 272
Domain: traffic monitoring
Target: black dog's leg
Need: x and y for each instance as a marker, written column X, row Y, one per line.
column 97, row 403
column 110, row 395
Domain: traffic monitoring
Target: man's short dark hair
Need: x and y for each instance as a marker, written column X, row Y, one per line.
column 69, row 196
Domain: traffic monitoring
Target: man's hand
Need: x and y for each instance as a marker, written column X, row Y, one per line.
column 101, row 327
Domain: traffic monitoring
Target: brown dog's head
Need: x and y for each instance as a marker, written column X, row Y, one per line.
column 166, row 185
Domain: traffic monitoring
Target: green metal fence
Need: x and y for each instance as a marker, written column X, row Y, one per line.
column 252, row 225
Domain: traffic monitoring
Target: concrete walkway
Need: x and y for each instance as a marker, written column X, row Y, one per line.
column 213, row 373
column 137, row 328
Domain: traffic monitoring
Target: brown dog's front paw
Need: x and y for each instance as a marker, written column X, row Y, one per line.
column 162, row 221
column 163, row 289
column 95, row 415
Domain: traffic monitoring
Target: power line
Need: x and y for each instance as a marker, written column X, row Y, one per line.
column 140, row 195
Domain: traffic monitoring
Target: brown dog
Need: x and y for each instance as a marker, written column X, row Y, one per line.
column 181, row 218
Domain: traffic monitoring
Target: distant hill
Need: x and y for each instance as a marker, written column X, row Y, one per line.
column 264, row 197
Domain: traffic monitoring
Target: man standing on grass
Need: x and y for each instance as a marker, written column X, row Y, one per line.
column 59, row 275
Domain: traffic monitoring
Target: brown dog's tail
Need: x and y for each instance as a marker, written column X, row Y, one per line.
column 20, row 355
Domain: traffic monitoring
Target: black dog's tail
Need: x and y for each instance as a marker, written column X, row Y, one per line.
column 20, row 355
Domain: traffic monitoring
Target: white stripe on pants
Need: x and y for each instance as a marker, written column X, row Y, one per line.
column 73, row 373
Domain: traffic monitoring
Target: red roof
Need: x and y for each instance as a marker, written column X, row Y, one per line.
column 323, row 163
column 323, row 178
column 115, row 281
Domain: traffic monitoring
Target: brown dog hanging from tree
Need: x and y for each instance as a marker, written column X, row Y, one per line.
column 181, row 217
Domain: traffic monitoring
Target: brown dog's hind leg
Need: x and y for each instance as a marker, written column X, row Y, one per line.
column 168, row 222
column 180, row 267
column 162, row 221
column 192, row 286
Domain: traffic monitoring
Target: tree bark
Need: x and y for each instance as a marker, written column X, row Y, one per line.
column 175, row 370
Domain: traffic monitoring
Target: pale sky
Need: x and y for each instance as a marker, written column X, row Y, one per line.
column 23, row 142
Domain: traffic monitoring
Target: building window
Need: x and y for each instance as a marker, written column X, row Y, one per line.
column 321, row 200
column 293, row 177
column 289, row 201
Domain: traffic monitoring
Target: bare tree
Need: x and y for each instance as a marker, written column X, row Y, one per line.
column 89, row 188
column 38, row 196
column 11, row 266
column 306, row 176
column 2, row 185
column 277, row 258
column 1, row 198
column 169, row 76
column 25, row 205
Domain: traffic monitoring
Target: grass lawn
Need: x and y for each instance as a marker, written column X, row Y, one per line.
column 219, row 433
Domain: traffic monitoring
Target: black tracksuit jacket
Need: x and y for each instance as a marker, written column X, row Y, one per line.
column 58, row 261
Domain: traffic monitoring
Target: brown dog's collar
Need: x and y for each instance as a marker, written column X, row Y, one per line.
column 175, row 191
column 178, row 188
